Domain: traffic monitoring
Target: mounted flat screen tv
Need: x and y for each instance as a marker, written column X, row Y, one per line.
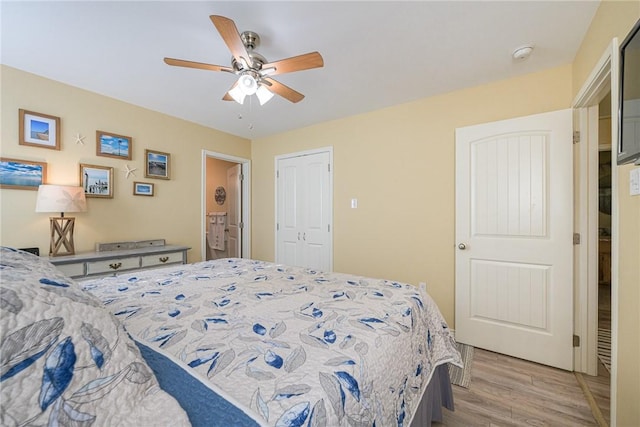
column 629, row 107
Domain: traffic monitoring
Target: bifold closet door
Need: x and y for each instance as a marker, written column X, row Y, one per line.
column 303, row 211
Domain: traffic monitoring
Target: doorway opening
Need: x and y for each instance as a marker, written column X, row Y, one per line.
column 225, row 206
column 604, row 234
column 596, row 293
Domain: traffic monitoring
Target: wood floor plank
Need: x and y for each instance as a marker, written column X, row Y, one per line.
column 506, row 391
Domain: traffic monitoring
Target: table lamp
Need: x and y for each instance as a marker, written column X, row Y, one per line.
column 61, row 198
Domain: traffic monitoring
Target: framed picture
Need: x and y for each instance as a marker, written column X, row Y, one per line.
column 39, row 130
column 113, row 145
column 97, row 181
column 157, row 164
column 142, row 189
column 22, row 174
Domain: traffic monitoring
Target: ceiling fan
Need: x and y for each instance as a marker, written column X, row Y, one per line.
column 253, row 70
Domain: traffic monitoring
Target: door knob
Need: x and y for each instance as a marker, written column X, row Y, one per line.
column 462, row 246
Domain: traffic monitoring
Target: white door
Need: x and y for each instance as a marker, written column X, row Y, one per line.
column 289, row 224
column 514, row 237
column 304, row 211
column 234, row 211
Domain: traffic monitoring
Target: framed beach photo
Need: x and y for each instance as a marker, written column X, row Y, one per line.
column 113, row 145
column 157, row 164
column 22, row 174
column 38, row 130
column 97, row 181
column 142, row 189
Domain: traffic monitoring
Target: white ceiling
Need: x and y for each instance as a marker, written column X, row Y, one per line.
column 376, row 54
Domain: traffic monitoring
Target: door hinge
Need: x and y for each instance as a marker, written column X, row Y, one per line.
column 576, row 136
column 576, row 238
column 277, row 226
column 241, row 225
column 277, row 174
column 576, row 341
column 241, row 177
column 328, row 167
column 329, row 228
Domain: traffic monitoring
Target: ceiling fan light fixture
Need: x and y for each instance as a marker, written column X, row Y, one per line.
column 247, row 84
column 264, row 95
column 237, row 94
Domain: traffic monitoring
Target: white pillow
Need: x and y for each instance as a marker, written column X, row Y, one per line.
column 65, row 360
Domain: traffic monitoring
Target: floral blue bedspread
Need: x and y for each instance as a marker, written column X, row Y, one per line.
column 65, row 360
column 290, row 346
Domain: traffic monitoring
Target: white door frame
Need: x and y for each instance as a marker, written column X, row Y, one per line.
column 603, row 77
column 275, row 168
column 246, row 201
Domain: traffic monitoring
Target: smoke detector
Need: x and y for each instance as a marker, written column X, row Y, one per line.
column 523, row 52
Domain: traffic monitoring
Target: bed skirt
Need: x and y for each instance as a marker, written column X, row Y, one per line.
column 438, row 394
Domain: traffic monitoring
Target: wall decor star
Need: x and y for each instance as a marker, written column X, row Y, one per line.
column 129, row 171
column 79, row 139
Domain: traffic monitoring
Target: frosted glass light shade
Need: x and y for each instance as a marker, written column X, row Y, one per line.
column 264, row 95
column 237, row 94
column 247, row 84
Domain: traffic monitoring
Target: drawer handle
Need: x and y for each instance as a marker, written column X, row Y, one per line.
column 164, row 258
column 115, row 266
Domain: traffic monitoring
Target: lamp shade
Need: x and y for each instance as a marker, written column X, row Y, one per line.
column 60, row 198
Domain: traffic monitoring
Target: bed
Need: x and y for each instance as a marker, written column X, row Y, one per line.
column 65, row 360
column 252, row 343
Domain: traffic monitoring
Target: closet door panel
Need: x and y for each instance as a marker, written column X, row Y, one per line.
column 289, row 230
column 316, row 211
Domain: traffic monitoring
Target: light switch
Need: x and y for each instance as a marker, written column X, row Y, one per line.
column 634, row 182
column 354, row 203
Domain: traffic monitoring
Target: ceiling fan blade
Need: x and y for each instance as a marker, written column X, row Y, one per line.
column 229, row 33
column 228, row 97
column 295, row 63
column 283, row 90
column 199, row 65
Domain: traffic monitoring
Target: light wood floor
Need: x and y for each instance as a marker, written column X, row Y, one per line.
column 506, row 391
column 600, row 386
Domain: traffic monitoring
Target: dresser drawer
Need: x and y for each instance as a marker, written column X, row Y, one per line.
column 113, row 265
column 162, row 259
column 72, row 270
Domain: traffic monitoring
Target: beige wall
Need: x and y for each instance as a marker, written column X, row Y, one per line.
column 174, row 213
column 399, row 163
column 615, row 19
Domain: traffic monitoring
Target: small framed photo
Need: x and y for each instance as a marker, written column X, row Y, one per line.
column 22, row 174
column 157, row 164
column 142, row 189
column 97, row 181
column 113, row 145
column 39, row 130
